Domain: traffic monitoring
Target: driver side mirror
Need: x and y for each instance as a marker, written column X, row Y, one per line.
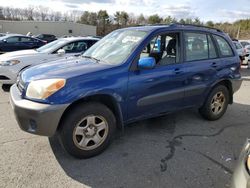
column 61, row 52
column 146, row 63
column 4, row 40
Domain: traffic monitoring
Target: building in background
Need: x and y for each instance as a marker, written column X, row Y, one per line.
column 47, row 27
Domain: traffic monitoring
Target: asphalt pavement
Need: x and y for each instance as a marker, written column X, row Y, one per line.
column 180, row 150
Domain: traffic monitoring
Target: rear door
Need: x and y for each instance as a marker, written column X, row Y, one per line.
column 202, row 64
column 161, row 89
column 27, row 43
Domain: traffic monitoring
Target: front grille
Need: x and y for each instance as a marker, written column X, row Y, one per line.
column 4, row 77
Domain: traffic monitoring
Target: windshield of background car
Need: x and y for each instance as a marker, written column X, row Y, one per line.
column 116, row 47
column 52, row 46
column 237, row 45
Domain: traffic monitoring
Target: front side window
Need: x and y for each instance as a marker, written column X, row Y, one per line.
column 196, row 46
column 116, row 47
column 12, row 39
column 52, row 46
column 224, row 46
column 164, row 48
column 76, row 47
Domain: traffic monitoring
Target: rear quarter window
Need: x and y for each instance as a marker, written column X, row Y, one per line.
column 224, row 46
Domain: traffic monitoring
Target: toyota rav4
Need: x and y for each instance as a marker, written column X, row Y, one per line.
column 129, row 75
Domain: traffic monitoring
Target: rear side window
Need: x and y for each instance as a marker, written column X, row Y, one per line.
column 25, row 39
column 196, row 45
column 224, row 46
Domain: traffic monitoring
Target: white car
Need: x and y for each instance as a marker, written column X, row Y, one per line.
column 13, row 62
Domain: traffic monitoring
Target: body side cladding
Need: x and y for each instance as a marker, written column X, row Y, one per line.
column 171, row 95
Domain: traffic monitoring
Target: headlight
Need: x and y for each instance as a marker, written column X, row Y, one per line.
column 42, row 89
column 9, row 63
column 248, row 163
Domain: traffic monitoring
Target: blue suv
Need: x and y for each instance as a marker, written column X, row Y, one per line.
column 129, row 75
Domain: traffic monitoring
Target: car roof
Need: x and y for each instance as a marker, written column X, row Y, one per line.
column 150, row 28
column 79, row 38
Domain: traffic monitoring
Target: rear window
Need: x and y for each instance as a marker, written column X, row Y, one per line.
column 224, row 47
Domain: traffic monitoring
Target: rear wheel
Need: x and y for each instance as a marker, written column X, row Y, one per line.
column 87, row 130
column 216, row 104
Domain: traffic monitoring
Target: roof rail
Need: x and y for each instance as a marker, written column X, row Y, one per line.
column 193, row 25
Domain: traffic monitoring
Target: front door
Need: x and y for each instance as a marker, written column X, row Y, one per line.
column 161, row 89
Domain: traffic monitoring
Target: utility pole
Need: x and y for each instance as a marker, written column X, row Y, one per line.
column 238, row 33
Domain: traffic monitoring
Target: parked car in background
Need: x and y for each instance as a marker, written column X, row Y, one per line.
column 132, row 74
column 240, row 50
column 246, row 45
column 67, row 36
column 14, row 42
column 241, row 176
column 13, row 62
column 46, row 37
column 2, row 34
column 99, row 37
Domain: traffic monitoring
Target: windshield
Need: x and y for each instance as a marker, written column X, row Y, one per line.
column 116, row 47
column 52, row 46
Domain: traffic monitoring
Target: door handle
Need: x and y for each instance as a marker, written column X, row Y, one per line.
column 214, row 65
column 178, row 71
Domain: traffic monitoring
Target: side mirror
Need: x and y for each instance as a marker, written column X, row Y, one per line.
column 61, row 52
column 4, row 40
column 146, row 63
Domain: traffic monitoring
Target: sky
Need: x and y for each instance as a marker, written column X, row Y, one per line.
column 215, row 10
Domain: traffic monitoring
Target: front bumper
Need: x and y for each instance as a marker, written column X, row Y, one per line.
column 9, row 73
column 241, row 178
column 33, row 117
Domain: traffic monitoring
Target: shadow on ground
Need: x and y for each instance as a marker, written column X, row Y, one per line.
column 177, row 150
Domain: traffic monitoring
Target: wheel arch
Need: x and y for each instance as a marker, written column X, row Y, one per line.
column 105, row 99
column 228, row 84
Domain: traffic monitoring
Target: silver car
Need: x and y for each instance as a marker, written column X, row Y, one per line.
column 240, row 50
column 241, row 176
column 13, row 62
column 246, row 45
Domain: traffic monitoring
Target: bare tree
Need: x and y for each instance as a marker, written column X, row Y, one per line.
column 43, row 12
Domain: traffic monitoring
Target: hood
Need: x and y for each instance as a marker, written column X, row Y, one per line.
column 64, row 68
column 17, row 54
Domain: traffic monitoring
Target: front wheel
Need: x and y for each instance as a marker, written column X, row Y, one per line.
column 87, row 130
column 216, row 104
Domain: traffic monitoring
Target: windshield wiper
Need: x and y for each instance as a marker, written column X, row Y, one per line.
column 89, row 57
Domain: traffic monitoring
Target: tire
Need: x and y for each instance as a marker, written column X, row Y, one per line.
column 6, row 87
column 87, row 130
column 216, row 103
